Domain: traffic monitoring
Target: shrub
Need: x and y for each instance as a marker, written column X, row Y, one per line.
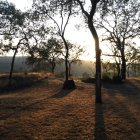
column 70, row 84
column 117, row 79
column 85, row 75
column 106, row 77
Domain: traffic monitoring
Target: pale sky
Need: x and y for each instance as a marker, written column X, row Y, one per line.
column 82, row 37
column 22, row 4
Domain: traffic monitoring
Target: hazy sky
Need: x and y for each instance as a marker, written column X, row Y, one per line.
column 82, row 36
column 22, row 4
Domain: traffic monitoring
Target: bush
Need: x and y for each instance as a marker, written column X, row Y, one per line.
column 85, row 75
column 89, row 80
column 117, row 79
column 61, row 74
column 106, row 77
column 70, row 84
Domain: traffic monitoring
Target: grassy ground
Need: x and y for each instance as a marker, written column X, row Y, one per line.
column 46, row 112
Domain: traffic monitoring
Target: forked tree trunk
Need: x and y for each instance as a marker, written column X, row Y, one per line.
column 98, row 62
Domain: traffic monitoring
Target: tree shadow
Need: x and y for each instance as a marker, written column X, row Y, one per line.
column 62, row 93
column 100, row 132
column 127, row 116
column 18, row 109
column 135, row 83
column 23, row 83
column 123, row 100
column 128, row 88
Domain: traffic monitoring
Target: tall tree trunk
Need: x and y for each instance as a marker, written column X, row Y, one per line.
column 128, row 69
column 118, row 68
column 12, row 67
column 69, row 69
column 123, row 66
column 135, row 70
column 98, row 62
column 53, row 66
column 66, row 59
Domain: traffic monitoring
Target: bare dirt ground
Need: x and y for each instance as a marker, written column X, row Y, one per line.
column 46, row 112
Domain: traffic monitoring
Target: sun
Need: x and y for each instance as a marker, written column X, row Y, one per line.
column 89, row 54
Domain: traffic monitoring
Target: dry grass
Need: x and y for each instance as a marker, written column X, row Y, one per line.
column 46, row 112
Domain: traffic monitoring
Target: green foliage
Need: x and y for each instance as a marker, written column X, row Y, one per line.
column 10, row 15
column 106, row 77
column 46, row 53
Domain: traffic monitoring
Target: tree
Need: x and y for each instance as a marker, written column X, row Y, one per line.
column 11, row 29
column 51, row 9
column 10, row 17
column 21, row 43
column 106, row 66
column 133, row 59
column 1, row 48
column 115, row 55
column 74, row 53
column 55, row 50
column 16, row 31
column 48, row 52
column 89, row 18
column 120, row 26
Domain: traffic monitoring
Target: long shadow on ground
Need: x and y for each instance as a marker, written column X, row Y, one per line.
column 127, row 117
column 123, row 102
column 128, row 88
column 100, row 132
column 23, row 83
column 62, row 93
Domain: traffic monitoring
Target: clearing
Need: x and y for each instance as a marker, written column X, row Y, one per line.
column 46, row 112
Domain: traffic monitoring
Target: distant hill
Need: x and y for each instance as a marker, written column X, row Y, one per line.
column 20, row 65
column 5, row 62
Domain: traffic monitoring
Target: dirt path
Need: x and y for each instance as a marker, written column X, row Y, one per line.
column 49, row 113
